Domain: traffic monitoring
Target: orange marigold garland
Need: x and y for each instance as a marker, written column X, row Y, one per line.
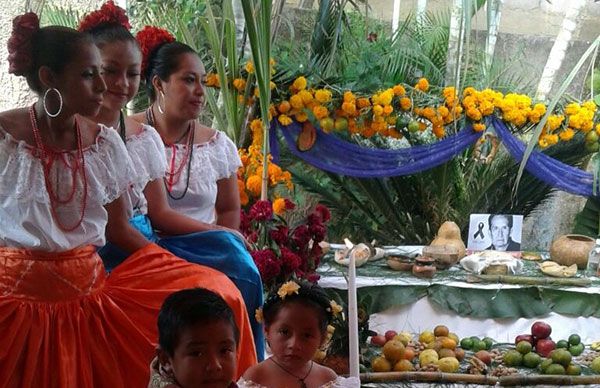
column 109, row 13
column 150, row 38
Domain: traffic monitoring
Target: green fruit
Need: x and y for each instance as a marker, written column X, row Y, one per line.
column 488, row 343
column 555, row 369
column 524, row 347
column 326, row 124
column 466, row 343
column 341, row 124
column 479, row 345
column 591, row 137
column 546, row 362
column 573, row 370
column 513, row 358
column 576, row 350
column 574, row 339
column 561, row 356
column 595, row 365
column 562, row 344
column 413, row 126
column 592, row 147
column 531, row 360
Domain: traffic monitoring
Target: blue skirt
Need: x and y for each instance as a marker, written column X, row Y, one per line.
column 221, row 250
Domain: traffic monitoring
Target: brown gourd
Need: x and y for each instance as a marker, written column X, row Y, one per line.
column 449, row 234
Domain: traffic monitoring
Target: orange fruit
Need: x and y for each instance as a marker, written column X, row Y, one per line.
column 393, row 350
column 448, row 343
column 380, row 364
column 409, row 353
column 404, row 366
column 441, row 331
column 446, row 353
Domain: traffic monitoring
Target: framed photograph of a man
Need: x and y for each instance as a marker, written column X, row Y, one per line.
column 500, row 232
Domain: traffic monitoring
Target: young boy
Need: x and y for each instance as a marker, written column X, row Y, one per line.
column 197, row 339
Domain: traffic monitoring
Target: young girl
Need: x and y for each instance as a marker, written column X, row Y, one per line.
column 197, row 341
column 64, row 323
column 121, row 62
column 296, row 319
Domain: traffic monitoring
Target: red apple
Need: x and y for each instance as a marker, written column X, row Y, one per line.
column 524, row 337
column 484, row 356
column 378, row 340
column 541, row 330
column 390, row 334
column 544, row 347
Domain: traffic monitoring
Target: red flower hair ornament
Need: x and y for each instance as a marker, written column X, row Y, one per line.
column 109, row 13
column 20, row 58
column 151, row 38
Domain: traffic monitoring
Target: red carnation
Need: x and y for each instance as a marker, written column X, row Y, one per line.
column 150, row 38
column 261, row 211
column 319, row 231
column 267, row 264
column 290, row 261
column 109, row 13
column 324, row 211
column 280, row 235
column 302, row 236
column 20, row 45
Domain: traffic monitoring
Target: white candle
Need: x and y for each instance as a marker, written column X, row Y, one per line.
column 353, row 319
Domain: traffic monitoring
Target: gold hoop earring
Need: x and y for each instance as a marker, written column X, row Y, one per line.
column 160, row 94
column 60, row 102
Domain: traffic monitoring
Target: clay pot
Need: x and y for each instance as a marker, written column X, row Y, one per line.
column 424, row 267
column 571, row 249
column 445, row 256
column 400, row 263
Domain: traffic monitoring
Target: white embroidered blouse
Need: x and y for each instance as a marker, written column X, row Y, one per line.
column 26, row 220
column 339, row 382
column 211, row 161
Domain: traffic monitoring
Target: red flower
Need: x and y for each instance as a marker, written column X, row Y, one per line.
column 109, row 13
column 301, row 236
column 290, row 261
column 20, row 53
column 318, row 231
column 261, row 211
column 267, row 264
column 324, row 212
column 150, row 38
column 280, row 235
column 313, row 277
column 289, row 205
column 245, row 222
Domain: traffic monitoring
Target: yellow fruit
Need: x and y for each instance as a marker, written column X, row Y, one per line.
column 448, row 343
column 441, row 331
column 428, row 356
column 404, row 366
column 446, row 353
column 326, row 124
column 448, row 365
column 404, row 337
column 393, row 350
column 341, row 124
column 427, row 337
column 454, row 337
column 380, row 364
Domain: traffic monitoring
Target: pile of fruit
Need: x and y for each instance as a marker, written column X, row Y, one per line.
column 441, row 350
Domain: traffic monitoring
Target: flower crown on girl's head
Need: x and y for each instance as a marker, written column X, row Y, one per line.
column 108, row 14
column 150, row 38
column 288, row 289
column 20, row 56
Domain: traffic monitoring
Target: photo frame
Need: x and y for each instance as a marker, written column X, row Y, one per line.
column 502, row 232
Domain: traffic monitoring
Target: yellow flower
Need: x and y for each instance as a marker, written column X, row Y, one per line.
column 258, row 315
column 296, row 102
column 387, row 110
column 301, row 117
column 422, row 85
column 349, row 97
column 306, row 96
column 438, row 131
column 399, row 90
column 349, row 108
column 279, row 206
column 212, row 80
column 443, row 111
column 239, row 84
column 335, row 308
column 320, row 112
column 323, row 96
column 284, row 107
column 474, row 114
column 385, row 98
column 478, row 127
column 299, row 83
column 250, row 67
column 288, row 288
column 567, row 134
column 284, row 119
column 253, row 184
column 272, row 85
column 256, row 125
column 363, row 103
column 405, row 103
column 377, row 110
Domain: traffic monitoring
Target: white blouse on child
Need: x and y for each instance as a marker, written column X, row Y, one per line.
column 26, row 219
column 147, row 154
column 339, row 382
column 211, row 161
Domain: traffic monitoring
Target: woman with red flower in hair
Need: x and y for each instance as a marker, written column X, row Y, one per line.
column 146, row 201
column 201, row 178
column 64, row 323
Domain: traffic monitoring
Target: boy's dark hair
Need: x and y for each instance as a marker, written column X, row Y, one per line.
column 163, row 62
column 189, row 307
column 309, row 294
column 54, row 47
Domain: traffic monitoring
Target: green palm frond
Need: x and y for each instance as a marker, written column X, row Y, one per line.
column 59, row 16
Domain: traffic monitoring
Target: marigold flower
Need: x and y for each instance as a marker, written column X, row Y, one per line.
column 299, row 83
column 387, row 110
column 272, row 85
column 474, row 114
column 296, row 101
column 239, row 84
column 288, row 288
column 377, row 110
column 405, row 103
column 385, row 97
column 399, row 90
column 478, row 127
column 212, row 80
column 258, row 315
column 349, row 108
column 306, row 96
column 284, row 119
column 443, row 111
column 320, row 111
column 363, row 103
column 422, row 85
column 438, row 131
column 349, row 97
column 254, row 185
column 323, row 95
column 249, row 67
column 279, row 206
column 284, row 106
column 567, row 134
column 301, row 117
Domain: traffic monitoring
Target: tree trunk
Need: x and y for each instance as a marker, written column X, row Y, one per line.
column 455, row 44
column 493, row 15
column 557, row 54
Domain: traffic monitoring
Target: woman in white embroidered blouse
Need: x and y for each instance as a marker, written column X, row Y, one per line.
column 63, row 322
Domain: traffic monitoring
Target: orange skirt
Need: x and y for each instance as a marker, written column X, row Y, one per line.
column 65, row 323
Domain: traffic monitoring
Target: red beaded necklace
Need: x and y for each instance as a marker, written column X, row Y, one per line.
column 47, row 157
